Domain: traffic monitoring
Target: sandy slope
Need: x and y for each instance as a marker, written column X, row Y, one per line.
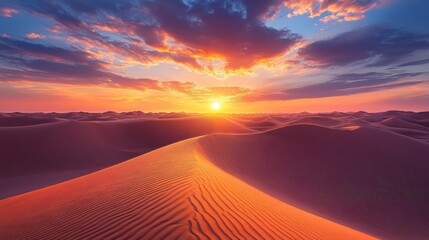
column 373, row 180
column 169, row 193
column 35, row 156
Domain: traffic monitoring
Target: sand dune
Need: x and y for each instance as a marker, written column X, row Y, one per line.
column 367, row 171
column 37, row 153
column 264, row 124
column 322, row 121
column 399, row 123
column 8, row 120
column 373, row 180
column 173, row 192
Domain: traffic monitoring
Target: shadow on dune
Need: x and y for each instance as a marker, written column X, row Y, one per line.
column 372, row 180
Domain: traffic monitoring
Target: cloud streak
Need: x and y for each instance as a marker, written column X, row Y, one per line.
column 26, row 61
column 191, row 33
column 380, row 46
column 415, row 63
column 204, row 35
column 342, row 85
column 34, row 36
column 223, row 36
column 8, row 12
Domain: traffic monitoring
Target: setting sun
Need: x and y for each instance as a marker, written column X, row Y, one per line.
column 228, row 119
column 215, row 106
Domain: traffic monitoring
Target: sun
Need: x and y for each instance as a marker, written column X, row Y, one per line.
column 215, row 106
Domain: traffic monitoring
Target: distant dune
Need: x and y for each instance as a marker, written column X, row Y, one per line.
column 194, row 176
column 36, row 154
column 10, row 120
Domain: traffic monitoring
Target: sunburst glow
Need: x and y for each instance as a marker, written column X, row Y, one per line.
column 215, row 106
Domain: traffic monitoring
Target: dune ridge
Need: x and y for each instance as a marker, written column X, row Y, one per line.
column 173, row 192
column 39, row 153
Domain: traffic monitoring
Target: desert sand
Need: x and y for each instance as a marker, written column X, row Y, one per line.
column 189, row 176
column 44, row 154
column 366, row 178
column 168, row 193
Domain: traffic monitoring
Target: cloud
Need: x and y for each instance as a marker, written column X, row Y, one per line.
column 33, row 36
column 343, row 84
column 409, row 101
column 382, row 45
column 415, row 63
column 203, row 93
column 8, row 12
column 191, row 33
column 208, row 36
column 334, row 10
column 25, row 61
column 242, row 44
column 18, row 48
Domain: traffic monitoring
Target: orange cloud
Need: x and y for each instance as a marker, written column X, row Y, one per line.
column 34, row 35
column 64, row 98
column 164, row 32
column 197, row 92
column 33, row 96
column 57, row 28
column 345, row 10
column 8, row 12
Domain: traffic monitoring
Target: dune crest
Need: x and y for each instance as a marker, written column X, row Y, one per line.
column 40, row 155
column 173, row 192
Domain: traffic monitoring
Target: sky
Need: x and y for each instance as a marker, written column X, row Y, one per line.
column 182, row 55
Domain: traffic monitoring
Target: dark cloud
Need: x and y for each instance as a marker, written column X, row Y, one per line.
column 25, row 61
column 14, row 47
column 179, row 31
column 188, row 32
column 382, row 45
column 415, row 63
column 344, row 84
column 220, row 28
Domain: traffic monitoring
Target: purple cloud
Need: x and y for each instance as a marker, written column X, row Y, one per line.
column 382, row 45
column 22, row 60
column 178, row 31
column 415, row 63
column 26, row 61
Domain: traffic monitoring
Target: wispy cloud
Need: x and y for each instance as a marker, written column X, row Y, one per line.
column 34, row 35
column 26, row 61
column 8, row 12
column 380, row 44
column 207, row 36
column 190, row 33
column 415, row 63
column 333, row 10
column 341, row 85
